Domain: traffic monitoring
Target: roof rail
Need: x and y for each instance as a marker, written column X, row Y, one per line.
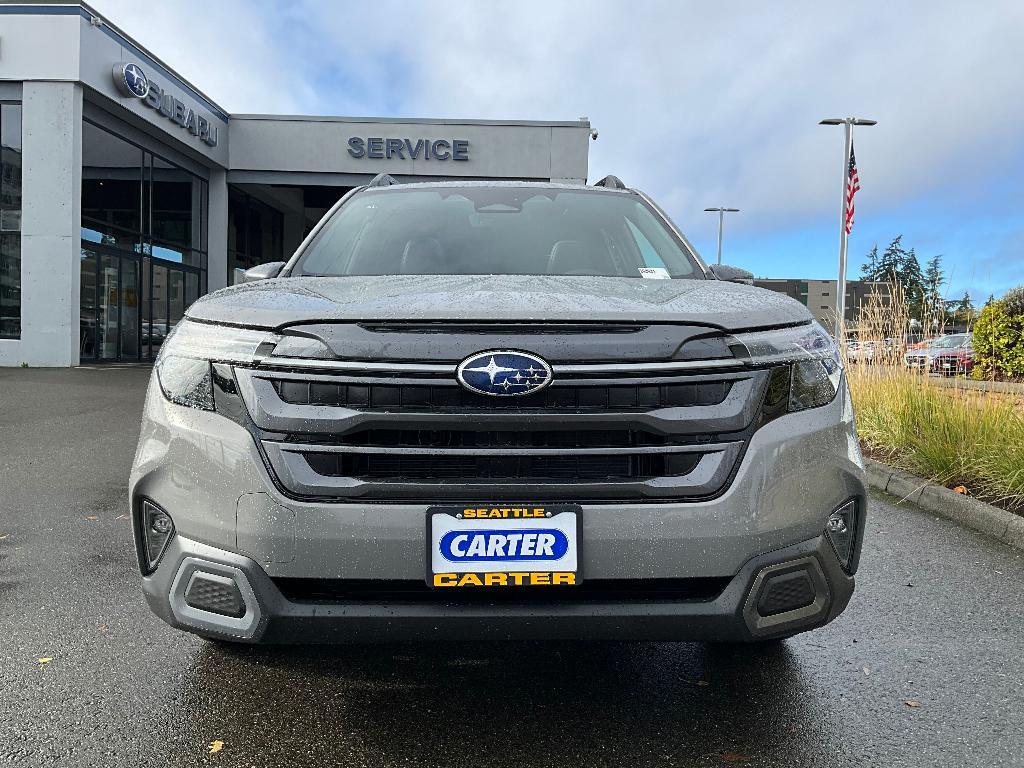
column 382, row 180
column 611, row 182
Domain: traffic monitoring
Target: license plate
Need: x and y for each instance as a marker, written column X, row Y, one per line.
column 503, row 546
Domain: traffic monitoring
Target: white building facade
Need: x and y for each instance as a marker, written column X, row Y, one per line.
column 126, row 193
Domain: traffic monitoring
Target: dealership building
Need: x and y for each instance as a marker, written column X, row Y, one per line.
column 126, row 193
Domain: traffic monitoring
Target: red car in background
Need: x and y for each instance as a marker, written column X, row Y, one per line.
column 956, row 361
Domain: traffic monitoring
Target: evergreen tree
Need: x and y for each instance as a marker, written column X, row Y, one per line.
column 890, row 262
column 869, row 271
column 932, row 304
column 991, row 299
column 912, row 280
column 962, row 309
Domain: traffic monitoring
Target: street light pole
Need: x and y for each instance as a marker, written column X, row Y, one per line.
column 721, row 220
column 848, row 123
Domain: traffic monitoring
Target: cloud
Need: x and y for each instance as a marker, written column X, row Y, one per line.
column 698, row 103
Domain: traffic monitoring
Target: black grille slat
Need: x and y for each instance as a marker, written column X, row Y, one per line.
column 431, row 467
column 481, row 438
column 390, row 397
column 336, row 591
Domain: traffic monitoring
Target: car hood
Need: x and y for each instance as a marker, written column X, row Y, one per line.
column 291, row 300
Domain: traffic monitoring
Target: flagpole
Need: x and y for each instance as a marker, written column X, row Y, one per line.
column 848, row 123
column 844, row 237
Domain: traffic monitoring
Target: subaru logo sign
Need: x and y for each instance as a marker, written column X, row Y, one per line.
column 503, row 373
column 133, row 81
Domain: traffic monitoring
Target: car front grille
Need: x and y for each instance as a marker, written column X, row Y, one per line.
column 645, row 430
column 389, row 397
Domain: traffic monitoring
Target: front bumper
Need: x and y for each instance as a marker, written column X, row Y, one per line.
column 206, row 472
column 733, row 616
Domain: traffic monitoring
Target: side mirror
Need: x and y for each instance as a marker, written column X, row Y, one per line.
column 263, row 271
column 732, row 274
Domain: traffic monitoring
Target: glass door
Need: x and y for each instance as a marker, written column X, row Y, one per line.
column 129, row 310
column 109, row 306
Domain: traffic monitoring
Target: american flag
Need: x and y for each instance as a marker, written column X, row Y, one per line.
column 852, row 185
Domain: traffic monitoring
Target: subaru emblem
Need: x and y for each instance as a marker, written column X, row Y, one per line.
column 131, row 80
column 503, row 373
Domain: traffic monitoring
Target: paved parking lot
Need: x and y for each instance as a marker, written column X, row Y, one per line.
column 936, row 622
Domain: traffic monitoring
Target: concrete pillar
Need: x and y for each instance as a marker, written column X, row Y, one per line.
column 217, row 261
column 51, row 130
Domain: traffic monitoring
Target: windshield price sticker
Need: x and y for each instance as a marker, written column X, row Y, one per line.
column 655, row 273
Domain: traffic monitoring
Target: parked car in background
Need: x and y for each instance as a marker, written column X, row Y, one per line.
column 954, row 362
column 921, row 358
column 861, row 351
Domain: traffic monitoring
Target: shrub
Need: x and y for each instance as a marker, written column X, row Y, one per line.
column 999, row 339
column 1014, row 301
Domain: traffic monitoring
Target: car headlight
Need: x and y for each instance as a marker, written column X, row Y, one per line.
column 188, row 362
column 813, row 357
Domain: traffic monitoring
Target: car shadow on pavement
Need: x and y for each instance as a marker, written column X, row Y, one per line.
column 537, row 704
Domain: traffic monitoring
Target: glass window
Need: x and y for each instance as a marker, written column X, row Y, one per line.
column 173, row 196
column 87, row 340
column 509, row 230
column 111, row 189
column 10, row 221
column 10, row 285
column 191, row 288
column 176, row 297
column 151, row 211
column 255, row 234
column 158, row 325
column 129, row 309
column 109, row 308
column 650, row 256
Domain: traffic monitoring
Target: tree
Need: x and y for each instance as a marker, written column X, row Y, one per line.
column 933, row 306
column 869, row 271
column 962, row 309
column 910, row 277
column 891, row 261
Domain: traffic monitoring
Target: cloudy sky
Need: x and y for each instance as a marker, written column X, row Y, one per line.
column 697, row 104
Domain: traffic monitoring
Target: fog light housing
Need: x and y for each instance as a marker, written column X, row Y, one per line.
column 841, row 531
column 157, row 531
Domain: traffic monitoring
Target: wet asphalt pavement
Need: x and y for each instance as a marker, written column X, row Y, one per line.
column 936, row 621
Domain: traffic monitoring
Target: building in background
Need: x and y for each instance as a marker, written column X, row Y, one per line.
column 126, row 193
column 819, row 296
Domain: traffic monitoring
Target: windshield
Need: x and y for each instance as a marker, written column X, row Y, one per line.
column 511, row 230
column 948, row 342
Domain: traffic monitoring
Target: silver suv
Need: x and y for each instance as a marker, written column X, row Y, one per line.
column 497, row 410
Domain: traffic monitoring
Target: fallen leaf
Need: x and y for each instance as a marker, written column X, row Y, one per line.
column 216, row 746
column 961, row 489
column 102, row 627
column 91, row 518
column 703, row 683
column 44, row 660
column 867, row 670
column 912, row 703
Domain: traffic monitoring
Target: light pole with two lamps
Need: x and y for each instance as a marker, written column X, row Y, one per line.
column 721, row 217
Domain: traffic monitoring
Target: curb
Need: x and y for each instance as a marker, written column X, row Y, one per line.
column 968, row 512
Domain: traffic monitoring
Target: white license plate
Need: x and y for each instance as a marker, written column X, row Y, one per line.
column 503, row 546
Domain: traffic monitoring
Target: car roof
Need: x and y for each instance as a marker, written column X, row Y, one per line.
column 483, row 184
